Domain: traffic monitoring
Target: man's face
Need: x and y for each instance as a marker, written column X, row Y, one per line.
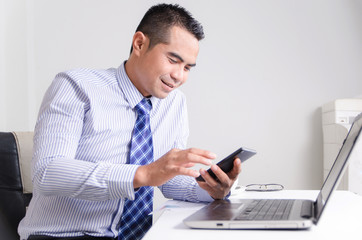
column 165, row 67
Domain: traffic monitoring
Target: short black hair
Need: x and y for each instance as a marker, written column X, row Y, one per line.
column 158, row 20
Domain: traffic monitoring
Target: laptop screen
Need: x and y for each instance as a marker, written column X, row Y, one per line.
column 338, row 167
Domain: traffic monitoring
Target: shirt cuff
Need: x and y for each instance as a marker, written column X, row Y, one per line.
column 204, row 196
column 121, row 181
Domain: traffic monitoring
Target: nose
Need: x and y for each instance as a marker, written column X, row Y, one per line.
column 177, row 74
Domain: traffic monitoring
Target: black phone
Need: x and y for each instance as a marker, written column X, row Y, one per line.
column 227, row 163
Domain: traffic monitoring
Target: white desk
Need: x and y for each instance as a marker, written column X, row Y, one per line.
column 342, row 219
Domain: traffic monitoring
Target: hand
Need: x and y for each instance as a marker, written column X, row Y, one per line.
column 218, row 189
column 175, row 162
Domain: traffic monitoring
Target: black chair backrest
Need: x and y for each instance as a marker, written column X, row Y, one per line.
column 13, row 201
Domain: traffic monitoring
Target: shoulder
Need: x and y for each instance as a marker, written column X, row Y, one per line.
column 176, row 99
column 176, row 96
column 174, row 102
column 86, row 76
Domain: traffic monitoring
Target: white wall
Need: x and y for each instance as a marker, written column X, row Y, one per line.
column 13, row 72
column 263, row 72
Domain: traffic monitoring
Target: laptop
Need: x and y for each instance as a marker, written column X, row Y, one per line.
column 276, row 213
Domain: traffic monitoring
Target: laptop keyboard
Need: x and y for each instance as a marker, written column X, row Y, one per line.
column 267, row 209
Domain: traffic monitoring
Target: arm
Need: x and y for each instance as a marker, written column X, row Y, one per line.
column 183, row 187
column 187, row 189
column 175, row 162
column 58, row 135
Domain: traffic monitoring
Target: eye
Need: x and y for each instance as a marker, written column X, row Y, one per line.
column 187, row 69
column 172, row 60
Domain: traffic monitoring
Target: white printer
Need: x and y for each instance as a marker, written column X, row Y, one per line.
column 337, row 118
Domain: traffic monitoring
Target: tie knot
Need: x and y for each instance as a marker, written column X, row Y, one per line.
column 144, row 107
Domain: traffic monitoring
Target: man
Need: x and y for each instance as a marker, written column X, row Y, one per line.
column 103, row 137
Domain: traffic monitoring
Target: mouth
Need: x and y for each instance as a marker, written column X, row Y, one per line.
column 168, row 84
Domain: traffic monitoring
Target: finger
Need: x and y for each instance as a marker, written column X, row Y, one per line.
column 195, row 158
column 236, row 169
column 186, row 172
column 208, row 179
column 203, row 153
column 205, row 186
column 221, row 175
column 188, row 165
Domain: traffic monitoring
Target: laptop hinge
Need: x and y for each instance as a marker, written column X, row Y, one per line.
column 315, row 210
column 307, row 209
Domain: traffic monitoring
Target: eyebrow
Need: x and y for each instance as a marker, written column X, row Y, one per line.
column 181, row 59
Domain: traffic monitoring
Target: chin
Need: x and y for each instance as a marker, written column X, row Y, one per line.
column 161, row 95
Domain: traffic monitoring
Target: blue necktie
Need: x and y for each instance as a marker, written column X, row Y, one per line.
column 136, row 221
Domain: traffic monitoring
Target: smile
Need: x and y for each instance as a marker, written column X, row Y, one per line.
column 167, row 84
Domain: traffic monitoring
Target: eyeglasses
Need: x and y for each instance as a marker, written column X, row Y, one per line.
column 264, row 187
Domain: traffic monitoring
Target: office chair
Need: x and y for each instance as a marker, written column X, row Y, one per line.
column 15, row 180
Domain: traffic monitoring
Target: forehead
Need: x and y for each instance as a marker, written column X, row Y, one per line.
column 183, row 43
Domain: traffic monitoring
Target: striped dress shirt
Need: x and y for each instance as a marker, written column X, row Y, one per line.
column 81, row 147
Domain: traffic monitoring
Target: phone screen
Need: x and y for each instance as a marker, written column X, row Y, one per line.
column 227, row 163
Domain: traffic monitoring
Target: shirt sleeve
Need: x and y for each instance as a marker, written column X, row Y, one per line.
column 185, row 188
column 56, row 171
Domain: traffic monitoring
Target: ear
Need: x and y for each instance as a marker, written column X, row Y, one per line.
column 139, row 42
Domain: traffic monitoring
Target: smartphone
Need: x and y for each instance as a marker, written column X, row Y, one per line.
column 227, row 163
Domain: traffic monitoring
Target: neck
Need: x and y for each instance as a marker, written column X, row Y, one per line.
column 132, row 75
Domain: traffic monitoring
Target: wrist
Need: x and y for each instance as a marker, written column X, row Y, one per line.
column 140, row 177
